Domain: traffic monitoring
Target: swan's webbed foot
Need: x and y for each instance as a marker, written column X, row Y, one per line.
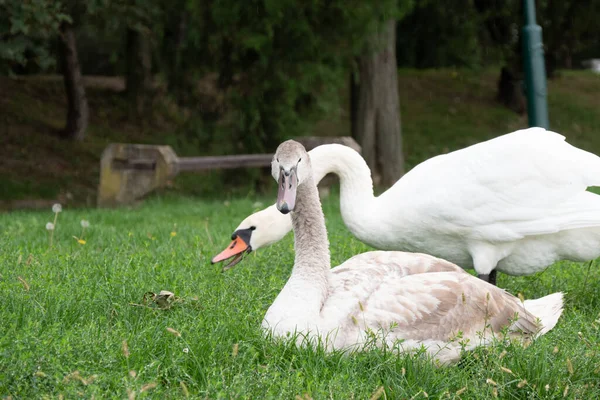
column 490, row 278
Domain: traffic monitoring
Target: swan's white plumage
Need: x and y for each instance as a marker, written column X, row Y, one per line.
column 516, row 203
column 391, row 296
column 530, row 182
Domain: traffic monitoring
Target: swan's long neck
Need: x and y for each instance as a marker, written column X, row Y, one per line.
column 356, row 184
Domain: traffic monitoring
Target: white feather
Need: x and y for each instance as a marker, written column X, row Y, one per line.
column 516, row 203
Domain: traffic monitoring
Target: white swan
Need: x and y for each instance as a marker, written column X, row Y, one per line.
column 516, row 204
column 389, row 296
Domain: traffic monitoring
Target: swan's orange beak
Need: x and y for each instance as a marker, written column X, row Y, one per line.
column 236, row 250
column 286, row 194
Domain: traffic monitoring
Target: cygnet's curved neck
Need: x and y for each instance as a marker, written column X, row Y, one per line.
column 310, row 234
column 312, row 262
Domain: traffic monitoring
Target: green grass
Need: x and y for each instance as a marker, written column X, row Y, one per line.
column 70, row 308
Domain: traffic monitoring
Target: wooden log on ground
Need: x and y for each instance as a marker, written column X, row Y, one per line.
column 224, row 162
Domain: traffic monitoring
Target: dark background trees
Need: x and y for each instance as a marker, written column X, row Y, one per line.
column 274, row 67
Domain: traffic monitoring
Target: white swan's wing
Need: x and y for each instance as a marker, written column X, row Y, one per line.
column 422, row 300
column 529, row 182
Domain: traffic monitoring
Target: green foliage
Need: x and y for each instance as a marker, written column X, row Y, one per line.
column 137, row 14
column 280, row 61
column 569, row 28
column 71, row 307
column 26, row 31
column 440, row 34
column 280, row 64
column 472, row 33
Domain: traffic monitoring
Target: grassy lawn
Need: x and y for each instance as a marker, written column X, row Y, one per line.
column 67, row 311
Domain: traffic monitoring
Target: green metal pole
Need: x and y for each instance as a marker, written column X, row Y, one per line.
column 535, row 69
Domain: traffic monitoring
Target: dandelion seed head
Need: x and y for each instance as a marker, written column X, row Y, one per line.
column 85, row 223
column 186, row 350
column 56, row 208
column 50, row 226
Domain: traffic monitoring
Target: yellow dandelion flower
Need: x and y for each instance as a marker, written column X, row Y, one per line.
column 173, row 234
column 79, row 240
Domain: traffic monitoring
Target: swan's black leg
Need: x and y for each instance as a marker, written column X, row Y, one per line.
column 491, row 278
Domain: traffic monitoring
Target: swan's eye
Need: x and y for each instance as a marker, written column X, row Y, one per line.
column 253, row 228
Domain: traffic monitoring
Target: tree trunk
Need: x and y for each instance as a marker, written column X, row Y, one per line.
column 377, row 124
column 353, row 104
column 78, row 112
column 139, row 70
column 510, row 91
